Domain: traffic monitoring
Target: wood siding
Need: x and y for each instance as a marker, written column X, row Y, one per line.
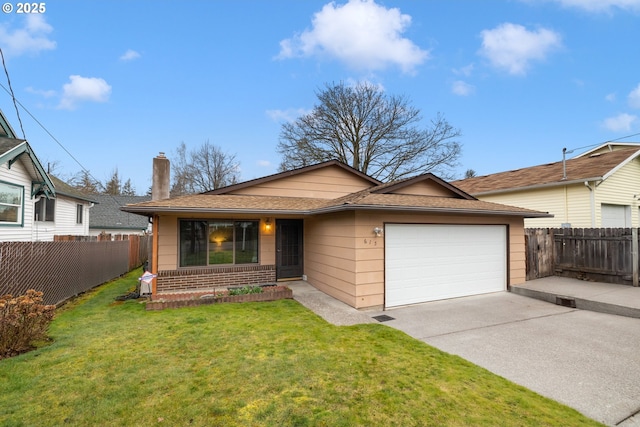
column 619, row 189
column 330, row 255
column 345, row 259
column 40, row 231
column 64, row 222
column 325, row 183
column 426, row 188
column 19, row 176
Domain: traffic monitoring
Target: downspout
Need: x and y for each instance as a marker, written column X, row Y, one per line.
column 593, row 203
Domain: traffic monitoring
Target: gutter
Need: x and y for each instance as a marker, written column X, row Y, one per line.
column 431, row 209
column 151, row 211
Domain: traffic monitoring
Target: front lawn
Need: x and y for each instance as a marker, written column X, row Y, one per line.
column 251, row 364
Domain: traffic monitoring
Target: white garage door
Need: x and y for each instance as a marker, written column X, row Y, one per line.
column 431, row 262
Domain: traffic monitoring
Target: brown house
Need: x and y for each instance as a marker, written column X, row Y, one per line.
column 366, row 243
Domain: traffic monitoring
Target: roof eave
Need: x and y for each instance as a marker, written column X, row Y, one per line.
column 335, row 208
column 152, row 211
column 465, row 211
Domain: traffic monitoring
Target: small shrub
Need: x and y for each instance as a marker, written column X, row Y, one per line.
column 23, row 320
column 245, row 290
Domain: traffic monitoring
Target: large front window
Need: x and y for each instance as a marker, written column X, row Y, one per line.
column 11, row 197
column 218, row 242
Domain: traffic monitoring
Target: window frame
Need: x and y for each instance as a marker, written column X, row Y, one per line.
column 79, row 213
column 207, row 252
column 20, row 214
column 48, row 205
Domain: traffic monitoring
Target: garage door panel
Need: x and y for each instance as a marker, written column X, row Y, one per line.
column 430, row 262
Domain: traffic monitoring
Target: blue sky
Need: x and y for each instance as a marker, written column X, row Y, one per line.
column 117, row 82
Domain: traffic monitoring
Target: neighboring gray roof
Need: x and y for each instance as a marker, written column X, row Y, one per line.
column 107, row 214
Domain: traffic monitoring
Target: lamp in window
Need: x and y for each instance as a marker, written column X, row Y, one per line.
column 267, row 225
column 378, row 231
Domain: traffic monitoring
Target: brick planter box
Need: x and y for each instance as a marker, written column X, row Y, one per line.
column 267, row 295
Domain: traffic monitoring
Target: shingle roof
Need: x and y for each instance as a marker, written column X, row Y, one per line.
column 65, row 189
column 366, row 199
column 107, row 214
column 594, row 167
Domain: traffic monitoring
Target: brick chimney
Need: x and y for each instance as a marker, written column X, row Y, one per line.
column 160, row 180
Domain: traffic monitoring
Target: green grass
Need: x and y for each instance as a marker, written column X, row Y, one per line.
column 252, row 364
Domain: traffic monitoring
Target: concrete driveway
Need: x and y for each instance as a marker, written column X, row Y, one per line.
column 587, row 360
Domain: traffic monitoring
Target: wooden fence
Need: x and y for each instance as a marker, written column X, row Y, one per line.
column 598, row 254
column 65, row 268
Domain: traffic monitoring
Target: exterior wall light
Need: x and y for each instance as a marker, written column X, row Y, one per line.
column 267, row 225
column 378, row 231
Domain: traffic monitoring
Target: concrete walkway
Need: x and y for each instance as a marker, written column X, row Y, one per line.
column 621, row 300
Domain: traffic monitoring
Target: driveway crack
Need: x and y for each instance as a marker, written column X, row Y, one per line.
column 503, row 323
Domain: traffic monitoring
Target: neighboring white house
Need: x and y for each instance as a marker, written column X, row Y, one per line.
column 597, row 189
column 33, row 205
column 71, row 212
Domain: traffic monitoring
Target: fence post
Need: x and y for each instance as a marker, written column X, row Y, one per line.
column 634, row 255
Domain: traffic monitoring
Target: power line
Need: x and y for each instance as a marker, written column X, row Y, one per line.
column 600, row 143
column 85, row 170
column 13, row 97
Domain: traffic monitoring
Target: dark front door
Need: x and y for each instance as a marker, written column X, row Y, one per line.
column 288, row 248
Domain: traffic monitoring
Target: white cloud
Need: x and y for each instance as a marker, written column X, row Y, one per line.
column 43, row 93
column 601, row 5
column 360, row 33
column 634, row 97
column 81, row 89
column 288, row 115
column 32, row 38
column 621, row 122
column 462, row 88
column 512, row 47
column 611, row 97
column 264, row 163
column 130, row 55
column 464, row 71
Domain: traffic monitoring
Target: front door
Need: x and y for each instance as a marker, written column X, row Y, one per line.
column 288, row 248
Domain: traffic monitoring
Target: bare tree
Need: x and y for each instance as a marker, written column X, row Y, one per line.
column 375, row 133
column 203, row 169
column 470, row 173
